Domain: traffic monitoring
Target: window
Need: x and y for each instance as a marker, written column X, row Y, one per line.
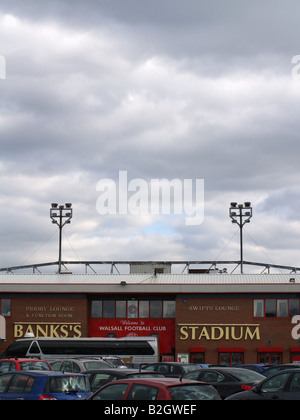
column 169, row 309
column 5, row 307
column 132, row 309
column 21, row 383
column 293, row 307
column 155, row 309
column 269, row 358
column 96, row 309
column 121, row 309
column 231, row 358
column 144, row 309
column 270, row 305
column 4, row 381
column 143, row 392
column 109, row 309
column 275, row 384
column 114, row 392
column 259, row 310
column 280, row 308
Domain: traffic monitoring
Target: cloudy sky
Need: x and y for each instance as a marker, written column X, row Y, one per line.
column 194, row 89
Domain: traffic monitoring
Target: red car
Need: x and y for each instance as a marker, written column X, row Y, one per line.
column 155, row 389
column 10, row 365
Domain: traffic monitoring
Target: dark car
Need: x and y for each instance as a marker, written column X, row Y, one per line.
column 101, row 377
column 284, row 385
column 153, row 389
column 227, row 380
column 171, row 369
column 277, row 368
column 48, row 385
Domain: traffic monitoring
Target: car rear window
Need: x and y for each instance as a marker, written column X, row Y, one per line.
column 193, row 392
column 67, row 384
column 34, row 365
column 143, row 392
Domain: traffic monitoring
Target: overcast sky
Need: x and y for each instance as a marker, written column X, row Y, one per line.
column 194, row 89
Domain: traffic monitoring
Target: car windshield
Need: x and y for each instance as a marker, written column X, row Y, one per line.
column 193, row 392
column 67, row 384
column 94, row 365
column 34, row 365
column 189, row 368
column 247, row 375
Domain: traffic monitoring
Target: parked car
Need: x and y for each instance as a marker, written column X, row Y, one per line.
column 226, row 380
column 171, row 369
column 78, row 365
column 9, row 365
column 277, row 368
column 259, row 368
column 101, row 377
column 284, row 385
column 48, row 385
column 155, row 389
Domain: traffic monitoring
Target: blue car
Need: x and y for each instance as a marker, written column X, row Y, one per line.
column 48, row 385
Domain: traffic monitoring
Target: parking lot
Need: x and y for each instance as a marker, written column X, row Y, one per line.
column 110, row 380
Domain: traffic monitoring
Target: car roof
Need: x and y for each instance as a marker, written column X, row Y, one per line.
column 42, row 373
column 163, row 382
column 117, row 370
column 21, row 359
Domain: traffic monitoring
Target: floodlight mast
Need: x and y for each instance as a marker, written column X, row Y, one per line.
column 241, row 214
column 61, row 215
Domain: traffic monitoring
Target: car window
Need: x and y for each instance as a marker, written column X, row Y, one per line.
column 193, row 392
column 100, row 379
column 4, row 380
column 6, row 366
column 67, row 384
column 188, row 367
column 143, row 392
column 276, row 383
column 93, row 365
column 75, row 367
column 66, row 367
column 21, row 383
column 193, row 375
column 295, row 384
column 211, row 377
column 111, row 392
column 34, row 365
column 56, row 365
column 151, row 368
column 163, row 369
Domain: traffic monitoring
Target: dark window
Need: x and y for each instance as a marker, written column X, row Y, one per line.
column 270, row 308
column 109, row 309
column 143, row 392
column 155, row 309
column 114, row 392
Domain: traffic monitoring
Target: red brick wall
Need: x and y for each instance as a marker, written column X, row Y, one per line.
column 271, row 332
column 63, row 317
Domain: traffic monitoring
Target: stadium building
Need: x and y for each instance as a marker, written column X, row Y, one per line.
column 201, row 314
